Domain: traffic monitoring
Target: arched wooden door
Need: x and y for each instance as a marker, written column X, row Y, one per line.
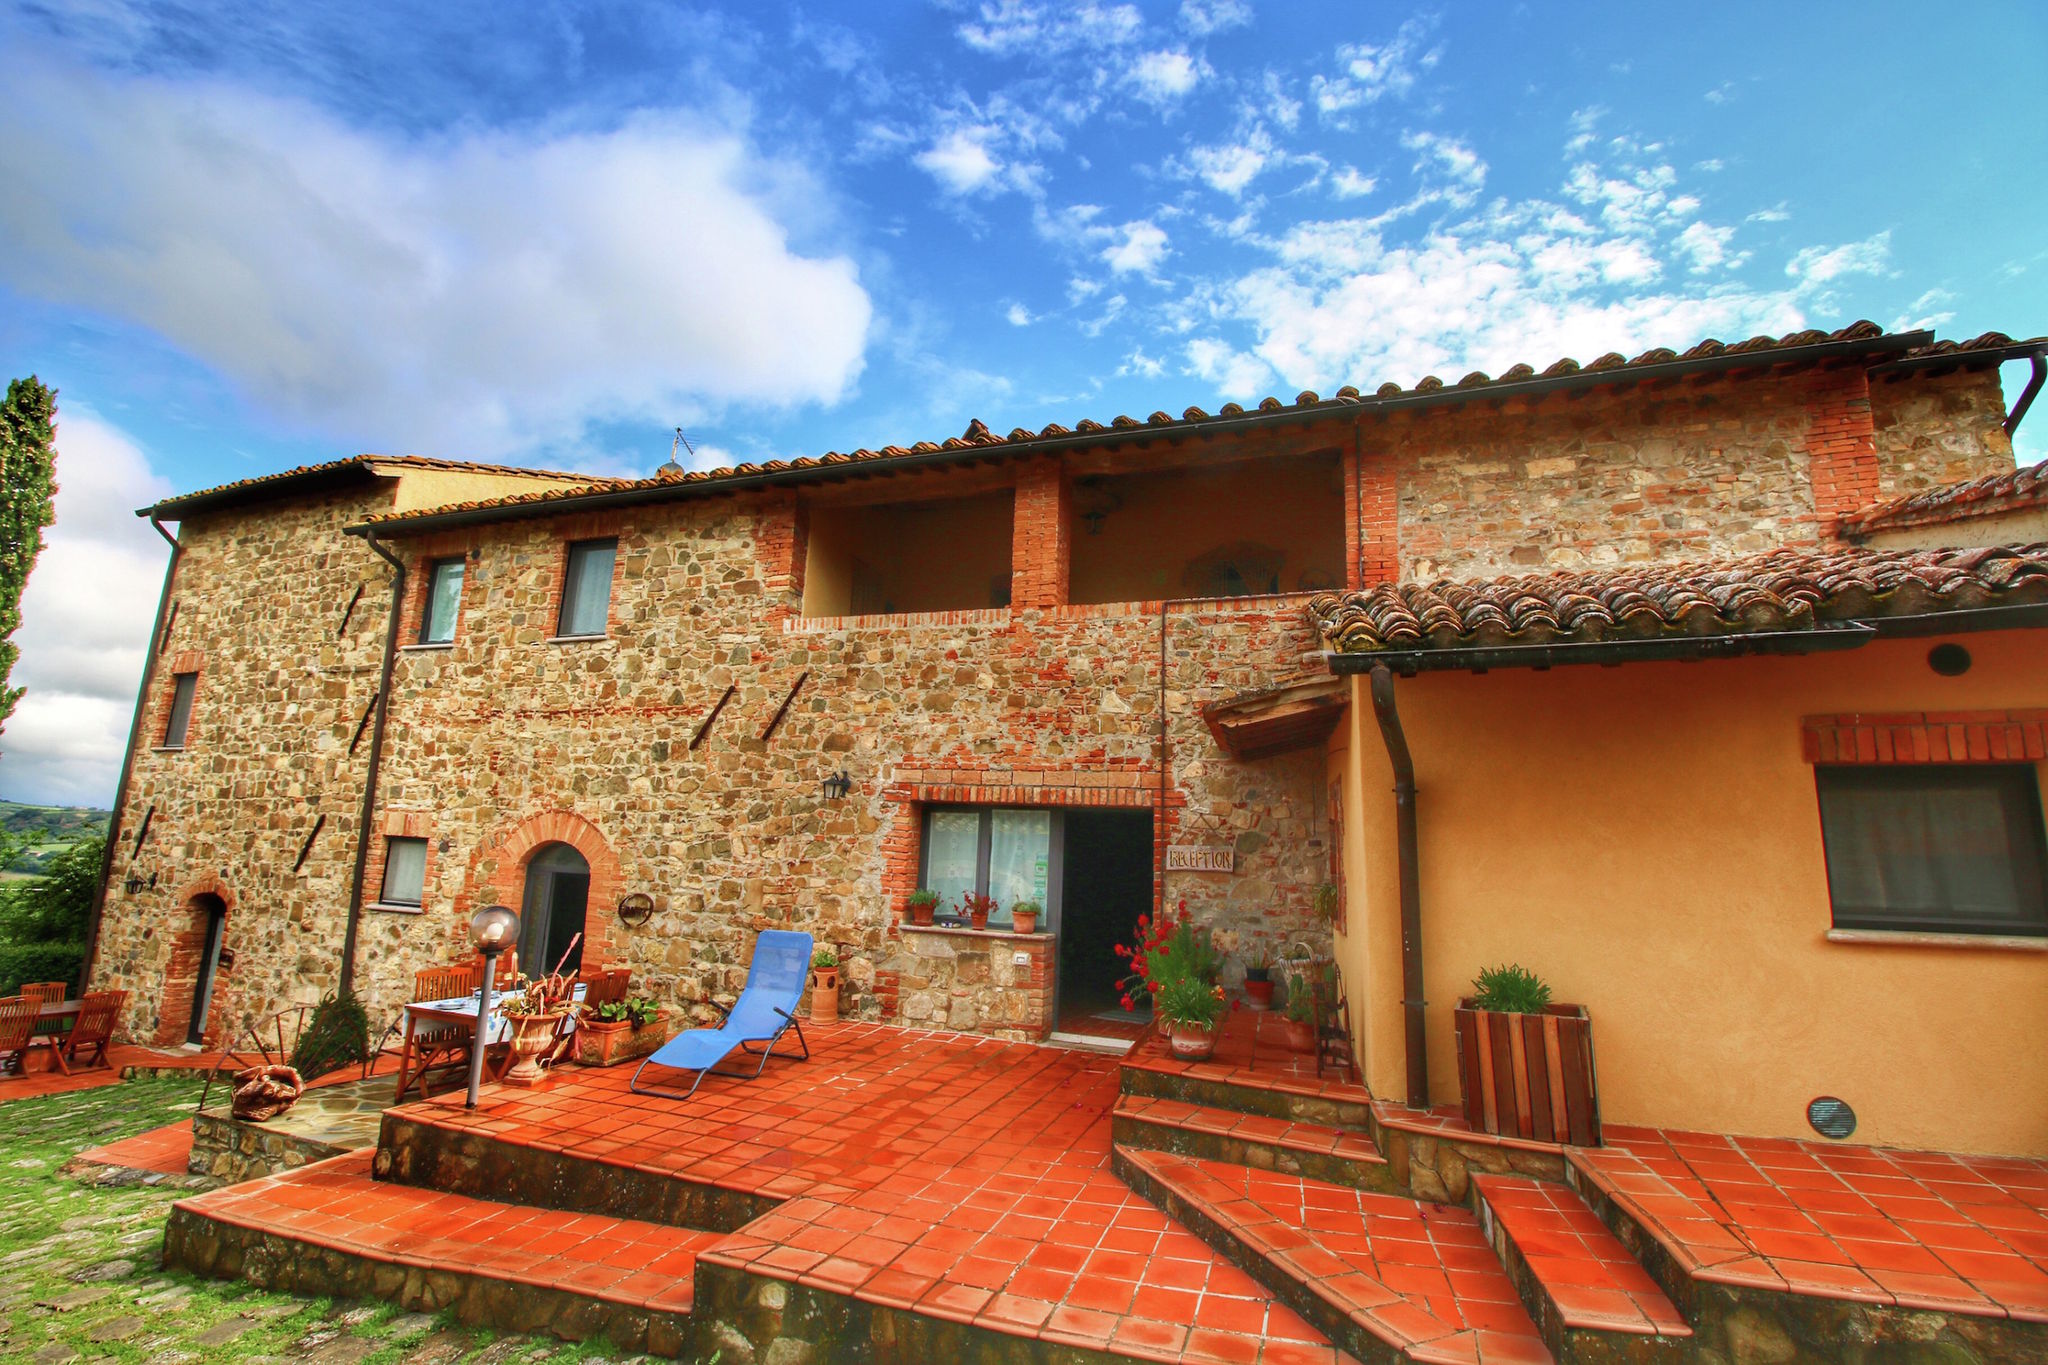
column 551, row 915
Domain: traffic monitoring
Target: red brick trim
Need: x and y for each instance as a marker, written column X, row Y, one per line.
column 185, row 661
column 1373, row 528
column 590, row 526
column 1841, row 447
column 1041, row 535
column 187, row 941
column 400, row 824
column 499, row 878
column 421, row 582
column 782, row 541
column 1927, row 737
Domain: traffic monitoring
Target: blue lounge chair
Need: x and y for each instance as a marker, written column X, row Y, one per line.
column 766, row 1008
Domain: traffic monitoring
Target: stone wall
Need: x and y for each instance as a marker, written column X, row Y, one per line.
column 973, row 981
column 1937, row 431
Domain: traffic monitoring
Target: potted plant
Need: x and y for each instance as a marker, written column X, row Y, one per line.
column 1189, row 1008
column 923, row 905
column 1258, row 977
column 1300, row 1027
column 619, row 1030
column 976, row 907
column 1525, row 1065
column 1327, row 902
column 535, row 1014
column 825, row 986
column 1024, row 916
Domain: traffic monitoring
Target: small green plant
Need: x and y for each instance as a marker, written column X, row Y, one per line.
column 921, row 898
column 824, row 957
column 1028, row 908
column 337, row 1034
column 639, row 1011
column 1512, row 989
column 1326, row 902
column 1301, row 1000
column 1188, row 1000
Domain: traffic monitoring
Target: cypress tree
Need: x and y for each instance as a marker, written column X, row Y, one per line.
column 28, row 488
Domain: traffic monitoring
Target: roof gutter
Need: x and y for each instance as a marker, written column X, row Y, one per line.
column 156, row 644
column 355, row 885
column 2026, row 400
column 1726, row 361
column 1409, row 870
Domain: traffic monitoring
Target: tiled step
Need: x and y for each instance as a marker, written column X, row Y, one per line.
column 330, row 1229
column 1576, row 1279
column 1252, row 1072
column 1319, row 1151
column 1385, row 1278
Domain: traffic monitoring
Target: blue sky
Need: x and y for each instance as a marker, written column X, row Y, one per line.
column 240, row 237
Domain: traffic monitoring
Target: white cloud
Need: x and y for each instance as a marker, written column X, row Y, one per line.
column 1009, row 27
column 1349, row 184
column 1164, row 77
column 1707, row 246
column 1203, row 17
column 961, row 161
column 1236, row 374
column 1230, row 166
column 476, row 294
column 1929, row 310
column 85, row 621
column 1143, row 247
column 1017, row 315
column 1372, row 73
column 1141, row 365
column 1819, row 266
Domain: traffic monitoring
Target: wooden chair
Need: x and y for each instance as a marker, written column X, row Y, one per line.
column 18, row 1018
column 98, row 1013
column 45, row 992
column 439, row 1046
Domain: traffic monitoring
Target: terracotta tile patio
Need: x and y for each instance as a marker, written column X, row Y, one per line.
column 1963, row 1234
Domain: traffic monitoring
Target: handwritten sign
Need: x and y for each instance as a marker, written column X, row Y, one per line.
column 1201, row 858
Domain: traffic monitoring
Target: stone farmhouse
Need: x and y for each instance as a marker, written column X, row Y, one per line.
column 1666, row 657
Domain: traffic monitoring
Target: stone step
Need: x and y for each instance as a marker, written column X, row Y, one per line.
column 331, row 1229
column 1318, row 1150
column 1386, row 1279
column 1252, row 1072
column 1577, row 1280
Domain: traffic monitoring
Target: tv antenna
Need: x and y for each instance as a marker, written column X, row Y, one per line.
column 681, row 442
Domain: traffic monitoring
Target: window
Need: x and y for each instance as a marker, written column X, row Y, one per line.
column 180, row 721
column 587, row 587
column 1007, row 854
column 1942, row 848
column 405, row 871
column 444, row 600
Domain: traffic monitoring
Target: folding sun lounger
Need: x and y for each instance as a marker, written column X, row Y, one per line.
column 765, row 1009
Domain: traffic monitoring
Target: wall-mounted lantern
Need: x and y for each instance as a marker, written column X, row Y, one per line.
column 837, row 786
column 133, row 885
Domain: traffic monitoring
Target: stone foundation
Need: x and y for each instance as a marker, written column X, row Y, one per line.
column 976, row 981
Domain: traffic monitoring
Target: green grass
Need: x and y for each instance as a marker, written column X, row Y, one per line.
column 80, row 1273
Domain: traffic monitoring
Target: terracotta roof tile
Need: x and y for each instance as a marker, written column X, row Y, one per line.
column 1982, row 497
column 257, row 484
column 979, row 435
column 1787, row 589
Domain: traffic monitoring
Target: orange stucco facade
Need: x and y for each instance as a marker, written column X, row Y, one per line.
column 1647, row 838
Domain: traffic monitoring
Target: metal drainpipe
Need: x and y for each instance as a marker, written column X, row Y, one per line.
column 1411, row 891
column 355, row 890
column 156, row 641
column 2027, row 395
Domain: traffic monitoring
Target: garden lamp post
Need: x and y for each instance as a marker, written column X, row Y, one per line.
column 492, row 930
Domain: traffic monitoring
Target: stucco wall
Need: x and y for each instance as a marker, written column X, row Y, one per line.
column 1647, row 838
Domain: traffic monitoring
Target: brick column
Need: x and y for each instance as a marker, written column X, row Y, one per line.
column 1372, row 530
column 1841, row 448
column 1041, row 536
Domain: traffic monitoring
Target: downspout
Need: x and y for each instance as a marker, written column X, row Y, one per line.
column 1411, row 891
column 2027, row 395
column 355, row 889
column 156, row 644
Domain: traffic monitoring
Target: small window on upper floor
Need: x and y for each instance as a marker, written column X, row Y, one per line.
column 587, row 587
column 1935, row 848
column 444, row 601
column 182, row 689
column 405, row 872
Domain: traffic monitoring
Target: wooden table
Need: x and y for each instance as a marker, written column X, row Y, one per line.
column 60, row 1011
column 420, row 1054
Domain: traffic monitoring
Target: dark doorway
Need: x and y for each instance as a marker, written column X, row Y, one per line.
column 216, row 912
column 551, row 916
column 1106, row 883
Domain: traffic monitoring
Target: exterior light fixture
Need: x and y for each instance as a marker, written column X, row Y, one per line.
column 133, row 884
column 492, row 929
column 837, row 786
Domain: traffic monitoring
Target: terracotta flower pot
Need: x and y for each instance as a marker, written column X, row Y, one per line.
column 1259, row 993
column 1192, row 1042
column 978, row 918
column 1024, row 921
column 532, row 1034
column 607, row 1044
column 825, row 995
column 921, row 912
column 1300, row 1037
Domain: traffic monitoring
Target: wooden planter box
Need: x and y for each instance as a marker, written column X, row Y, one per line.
column 1529, row 1075
column 601, row 1044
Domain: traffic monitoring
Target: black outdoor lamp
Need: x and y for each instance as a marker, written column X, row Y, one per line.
column 492, row 930
column 133, row 884
column 837, row 786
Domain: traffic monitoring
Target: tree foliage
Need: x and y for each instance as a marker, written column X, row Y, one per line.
column 54, row 908
column 28, row 489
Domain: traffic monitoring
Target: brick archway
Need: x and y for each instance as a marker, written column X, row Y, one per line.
column 501, row 875
column 187, row 940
